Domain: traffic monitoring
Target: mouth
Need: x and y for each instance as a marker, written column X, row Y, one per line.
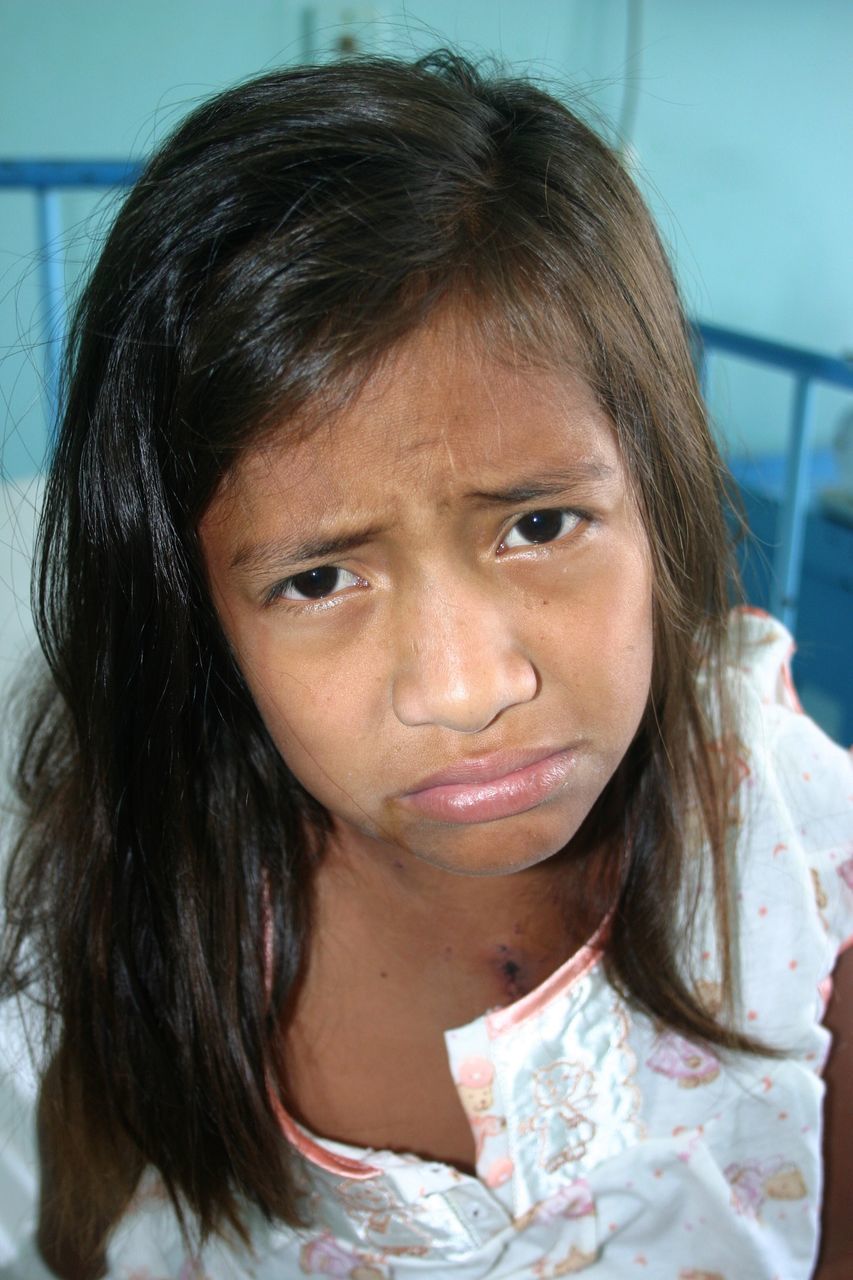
column 496, row 786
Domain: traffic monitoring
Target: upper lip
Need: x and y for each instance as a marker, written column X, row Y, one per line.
column 481, row 770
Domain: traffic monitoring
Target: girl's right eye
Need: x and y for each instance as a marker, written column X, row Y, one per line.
column 314, row 584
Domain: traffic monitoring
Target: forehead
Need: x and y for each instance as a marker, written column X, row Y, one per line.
column 439, row 419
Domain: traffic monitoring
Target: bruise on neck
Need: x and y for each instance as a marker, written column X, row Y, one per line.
column 530, row 953
column 514, row 972
column 495, row 974
column 516, row 967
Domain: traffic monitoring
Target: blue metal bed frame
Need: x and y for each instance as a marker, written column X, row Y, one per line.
column 48, row 178
column 808, row 369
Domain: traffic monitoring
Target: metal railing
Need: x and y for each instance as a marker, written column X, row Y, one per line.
column 48, row 178
column 807, row 369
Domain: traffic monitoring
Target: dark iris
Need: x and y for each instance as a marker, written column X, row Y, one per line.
column 541, row 526
column 316, row 583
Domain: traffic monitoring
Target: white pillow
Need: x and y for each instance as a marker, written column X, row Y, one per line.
column 20, row 503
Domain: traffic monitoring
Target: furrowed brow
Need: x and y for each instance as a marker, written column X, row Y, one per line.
column 580, row 476
column 265, row 556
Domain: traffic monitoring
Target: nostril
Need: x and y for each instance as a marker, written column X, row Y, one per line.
column 466, row 696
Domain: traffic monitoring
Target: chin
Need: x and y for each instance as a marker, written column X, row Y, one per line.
column 503, row 847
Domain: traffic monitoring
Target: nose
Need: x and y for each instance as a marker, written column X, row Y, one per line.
column 460, row 662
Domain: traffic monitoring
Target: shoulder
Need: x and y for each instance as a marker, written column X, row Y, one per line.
column 793, row 827
column 799, row 783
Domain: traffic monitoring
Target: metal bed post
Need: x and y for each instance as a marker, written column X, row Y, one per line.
column 52, row 270
column 808, row 368
column 46, row 179
column 788, row 561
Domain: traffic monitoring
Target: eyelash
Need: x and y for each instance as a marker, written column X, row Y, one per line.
column 276, row 594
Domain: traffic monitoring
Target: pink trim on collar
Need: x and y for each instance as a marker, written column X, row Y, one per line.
column 502, row 1020
column 342, row 1166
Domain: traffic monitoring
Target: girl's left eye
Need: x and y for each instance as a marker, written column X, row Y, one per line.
column 538, row 527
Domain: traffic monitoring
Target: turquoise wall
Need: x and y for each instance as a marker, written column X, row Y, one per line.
column 742, row 111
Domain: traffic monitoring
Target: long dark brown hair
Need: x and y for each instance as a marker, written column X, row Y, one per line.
column 279, row 244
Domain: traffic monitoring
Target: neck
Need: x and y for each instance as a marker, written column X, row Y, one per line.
column 498, row 936
column 401, row 951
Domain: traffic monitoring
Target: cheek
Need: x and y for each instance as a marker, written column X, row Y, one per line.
column 303, row 720
column 598, row 643
column 627, row 646
column 317, row 713
column 627, row 641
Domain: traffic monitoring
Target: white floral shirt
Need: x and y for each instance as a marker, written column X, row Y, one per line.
column 606, row 1145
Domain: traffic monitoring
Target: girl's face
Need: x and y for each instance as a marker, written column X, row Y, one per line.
column 442, row 605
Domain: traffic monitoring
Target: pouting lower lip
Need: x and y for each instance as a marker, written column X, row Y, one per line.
column 484, row 799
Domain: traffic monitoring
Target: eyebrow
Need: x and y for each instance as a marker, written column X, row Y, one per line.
column 266, row 556
column 549, row 485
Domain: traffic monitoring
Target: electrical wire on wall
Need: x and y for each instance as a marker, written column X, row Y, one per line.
column 631, row 80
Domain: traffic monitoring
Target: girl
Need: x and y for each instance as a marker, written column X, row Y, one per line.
column 421, row 876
